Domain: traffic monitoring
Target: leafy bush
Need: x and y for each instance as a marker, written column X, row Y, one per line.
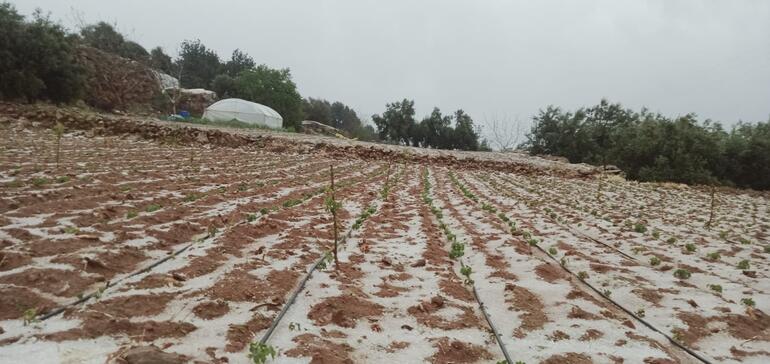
column 37, row 59
column 654, row 261
column 743, row 264
column 682, row 274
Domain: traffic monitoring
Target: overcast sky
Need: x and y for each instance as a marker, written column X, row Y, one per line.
column 504, row 58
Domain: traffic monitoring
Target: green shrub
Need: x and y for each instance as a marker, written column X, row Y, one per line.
column 715, row 288
column 654, row 261
column 682, row 274
column 743, row 264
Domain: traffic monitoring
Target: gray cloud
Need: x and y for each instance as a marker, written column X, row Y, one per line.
column 486, row 57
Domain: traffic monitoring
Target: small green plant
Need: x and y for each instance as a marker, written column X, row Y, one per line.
column 748, row 301
column 243, row 187
column 466, row 272
column 264, row 211
column 654, row 261
column 676, row 334
column 563, row 261
column 743, row 264
column 640, row 228
column 682, row 273
column 723, row 235
column 153, row 207
column 30, row 316
column 744, row 241
column 582, row 275
column 191, row 197
column 295, row 326
column 690, row 247
column 607, row 293
column 458, row 249
column 71, row 230
column 640, row 312
column 767, row 248
column 532, row 241
column 326, row 259
column 713, row 256
column 131, row 214
column 39, row 181
column 715, row 287
column 62, row 179
column 292, row 203
column 222, row 189
column 258, row 352
column 552, row 251
column 656, row 234
column 251, row 217
column 671, row 240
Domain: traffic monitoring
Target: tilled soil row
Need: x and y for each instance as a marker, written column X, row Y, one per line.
column 651, row 293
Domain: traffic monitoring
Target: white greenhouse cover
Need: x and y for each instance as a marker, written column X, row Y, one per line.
column 245, row 111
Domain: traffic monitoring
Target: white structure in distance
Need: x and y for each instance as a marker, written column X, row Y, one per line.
column 245, row 111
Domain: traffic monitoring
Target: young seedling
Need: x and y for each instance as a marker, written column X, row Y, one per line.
column 58, row 131
column 767, row 248
column 131, row 214
column 640, row 312
column 333, row 206
column 748, row 301
column 682, row 273
column 466, row 272
column 743, row 264
column 251, row 217
column 258, row 352
column 458, row 249
column 582, row 275
column 713, row 256
column 30, row 316
column 640, row 228
column 552, row 251
column 152, row 208
column 690, row 247
column 654, row 261
column 671, row 240
column 715, row 287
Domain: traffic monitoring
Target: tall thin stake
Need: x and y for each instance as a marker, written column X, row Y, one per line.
column 333, row 210
column 58, row 130
column 713, row 206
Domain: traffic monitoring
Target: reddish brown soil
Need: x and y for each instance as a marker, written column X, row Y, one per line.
column 133, row 306
column 239, row 336
column 578, row 313
column 458, row 352
column 95, row 324
column 568, row 358
column 532, row 317
column 426, row 314
column 15, row 300
column 321, row 351
column 64, row 283
column 591, row 334
column 343, row 311
column 550, row 272
column 453, row 287
column 211, row 309
column 10, row 260
column 396, row 346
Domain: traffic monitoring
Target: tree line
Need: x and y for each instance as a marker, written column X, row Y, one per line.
column 398, row 125
column 648, row 146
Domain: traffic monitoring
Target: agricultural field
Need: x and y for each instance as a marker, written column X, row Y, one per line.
column 122, row 249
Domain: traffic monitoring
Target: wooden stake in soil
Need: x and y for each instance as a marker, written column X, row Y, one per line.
column 58, row 130
column 332, row 205
column 713, row 205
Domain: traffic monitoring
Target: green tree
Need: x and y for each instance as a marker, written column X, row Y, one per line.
column 239, row 62
column 161, row 61
column 396, row 122
column 437, row 130
column 225, row 86
column 466, row 136
column 274, row 88
column 37, row 59
column 199, row 65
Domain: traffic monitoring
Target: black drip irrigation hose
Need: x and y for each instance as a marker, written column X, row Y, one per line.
column 301, row 287
column 618, row 305
column 291, row 300
column 498, row 337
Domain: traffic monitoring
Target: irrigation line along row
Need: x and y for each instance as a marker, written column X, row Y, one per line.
column 98, row 292
column 482, row 307
column 566, row 226
column 307, row 276
column 629, row 312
